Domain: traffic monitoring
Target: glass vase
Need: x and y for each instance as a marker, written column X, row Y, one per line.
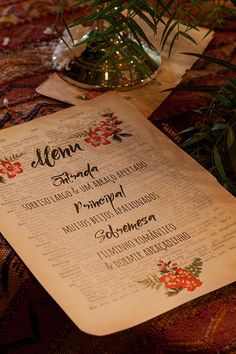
column 115, row 62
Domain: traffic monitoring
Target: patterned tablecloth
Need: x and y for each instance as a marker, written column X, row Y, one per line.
column 30, row 321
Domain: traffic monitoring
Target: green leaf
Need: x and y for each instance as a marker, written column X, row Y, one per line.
column 187, row 130
column 147, row 21
column 219, row 126
column 152, row 281
column 171, row 28
column 186, row 35
column 165, row 7
column 213, row 60
column 195, row 267
column 224, row 101
column 230, row 137
column 117, row 137
column 198, row 137
column 125, row 134
column 220, row 168
column 137, row 31
column 205, row 88
column 167, row 25
column 176, row 36
column 173, row 292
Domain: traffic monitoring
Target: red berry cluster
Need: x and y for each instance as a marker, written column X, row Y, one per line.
column 178, row 278
column 181, row 278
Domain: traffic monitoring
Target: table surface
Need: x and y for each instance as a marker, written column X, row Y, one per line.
column 30, row 321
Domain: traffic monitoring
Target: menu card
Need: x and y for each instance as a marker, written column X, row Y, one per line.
column 115, row 221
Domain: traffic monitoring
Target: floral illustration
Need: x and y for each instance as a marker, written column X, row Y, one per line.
column 95, row 138
column 89, row 95
column 10, row 168
column 174, row 278
column 104, row 132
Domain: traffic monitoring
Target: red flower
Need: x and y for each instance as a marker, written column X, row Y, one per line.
column 96, row 139
column 111, row 116
column 108, row 128
column 92, row 94
column 163, row 266
column 11, row 169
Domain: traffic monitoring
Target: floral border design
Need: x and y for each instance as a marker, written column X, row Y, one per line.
column 174, row 278
column 104, row 132
column 10, row 168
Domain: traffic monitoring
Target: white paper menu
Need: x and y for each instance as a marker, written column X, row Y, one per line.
column 115, row 221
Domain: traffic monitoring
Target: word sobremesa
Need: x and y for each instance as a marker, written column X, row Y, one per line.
column 103, row 234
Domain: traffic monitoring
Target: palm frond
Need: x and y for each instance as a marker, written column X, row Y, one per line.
column 213, row 143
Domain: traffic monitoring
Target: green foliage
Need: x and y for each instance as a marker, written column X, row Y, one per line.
column 212, row 141
column 11, row 158
column 152, row 281
column 119, row 16
column 195, row 267
column 79, row 135
column 173, row 292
